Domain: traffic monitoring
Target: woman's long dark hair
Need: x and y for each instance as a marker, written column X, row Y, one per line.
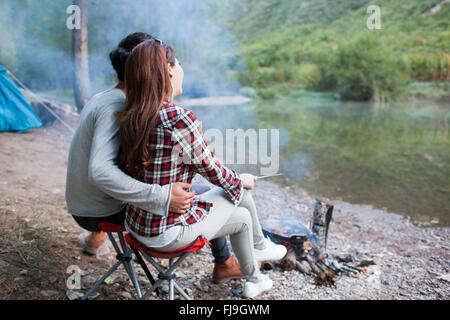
column 147, row 85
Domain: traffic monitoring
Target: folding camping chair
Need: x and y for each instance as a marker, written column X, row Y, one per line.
column 165, row 274
column 123, row 257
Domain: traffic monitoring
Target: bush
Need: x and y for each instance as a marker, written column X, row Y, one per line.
column 433, row 67
column 326, row 78
column 365, row 70
column 307, row 74
column 280, row 89
column 267, row 93
column 437, row 91
column 263, row 76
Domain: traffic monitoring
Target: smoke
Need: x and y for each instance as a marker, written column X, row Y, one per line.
column 36, row 44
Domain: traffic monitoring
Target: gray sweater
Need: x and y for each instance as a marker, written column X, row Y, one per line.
column 95, row 186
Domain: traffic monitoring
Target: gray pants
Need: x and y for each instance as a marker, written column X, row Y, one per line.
column 240, row 222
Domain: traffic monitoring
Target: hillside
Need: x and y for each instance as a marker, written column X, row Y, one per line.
column 273, row 46
column 294, row 44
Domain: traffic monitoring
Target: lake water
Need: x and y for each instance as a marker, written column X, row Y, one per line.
column 392, row 156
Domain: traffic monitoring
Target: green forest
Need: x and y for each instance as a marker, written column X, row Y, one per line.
column 267, row 48
column 325, row 45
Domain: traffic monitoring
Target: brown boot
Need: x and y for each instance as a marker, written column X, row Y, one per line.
column 93, row 242
column 230, row 269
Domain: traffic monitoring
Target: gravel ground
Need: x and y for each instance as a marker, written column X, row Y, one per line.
column 412, row 262
column 39, row 240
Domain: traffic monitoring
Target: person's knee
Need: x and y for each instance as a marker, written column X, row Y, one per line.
column 243, row 216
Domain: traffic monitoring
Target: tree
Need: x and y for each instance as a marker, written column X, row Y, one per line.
column 367, row 69
column 81, row 81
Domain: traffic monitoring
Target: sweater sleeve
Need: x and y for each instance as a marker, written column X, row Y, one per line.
column 107, row 176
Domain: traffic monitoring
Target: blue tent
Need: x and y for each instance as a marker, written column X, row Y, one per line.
column 16, row 114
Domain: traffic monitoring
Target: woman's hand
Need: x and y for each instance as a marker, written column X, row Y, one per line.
column 180, row 199
column 249, row 180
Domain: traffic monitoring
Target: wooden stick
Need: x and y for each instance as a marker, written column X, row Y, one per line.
column 314, row 266
column 300, row 267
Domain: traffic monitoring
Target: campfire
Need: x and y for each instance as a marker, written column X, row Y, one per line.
column 306, row 251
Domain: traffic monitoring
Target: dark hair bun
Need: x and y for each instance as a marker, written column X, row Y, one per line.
column 119, row 55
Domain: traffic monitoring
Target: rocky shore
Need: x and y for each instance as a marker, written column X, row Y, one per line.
column 39, row 240
column 411, row 262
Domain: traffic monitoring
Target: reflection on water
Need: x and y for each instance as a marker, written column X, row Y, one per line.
column 394, row 156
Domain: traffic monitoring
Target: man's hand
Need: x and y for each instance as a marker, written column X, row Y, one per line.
column 248, row 180
column 180, row 199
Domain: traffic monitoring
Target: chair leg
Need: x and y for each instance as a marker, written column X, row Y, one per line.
column 125, row 258
column 100, row 281
column 166, row 275
column 128, row 264
column 144, row 266
column 171, row 293
column 134, row 279
column 152, row 288
column 181, row 291
column 113, row 242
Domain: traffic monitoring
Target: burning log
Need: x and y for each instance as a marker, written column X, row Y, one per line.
column 289, row 261
column 303, row 267
column 314, row 266
column 306, row 247
column 320, row 222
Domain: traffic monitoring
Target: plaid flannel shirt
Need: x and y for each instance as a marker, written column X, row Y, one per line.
column 178, row 152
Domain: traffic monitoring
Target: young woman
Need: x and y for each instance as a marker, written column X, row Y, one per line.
column 163, row 143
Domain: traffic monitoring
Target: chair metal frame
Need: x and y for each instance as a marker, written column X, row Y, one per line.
column 124, row 257
column 165, row 274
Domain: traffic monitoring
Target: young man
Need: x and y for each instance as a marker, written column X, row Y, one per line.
column 97, row 190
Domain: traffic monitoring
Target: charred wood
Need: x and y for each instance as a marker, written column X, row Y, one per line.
column 288, row 263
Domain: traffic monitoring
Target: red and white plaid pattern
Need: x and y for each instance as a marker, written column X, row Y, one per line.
column 178, row 151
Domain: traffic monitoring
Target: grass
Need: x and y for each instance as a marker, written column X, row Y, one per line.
column 436, row 91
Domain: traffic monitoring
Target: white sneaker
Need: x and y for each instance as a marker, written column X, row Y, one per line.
column 254, row 288
column 272, row 251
